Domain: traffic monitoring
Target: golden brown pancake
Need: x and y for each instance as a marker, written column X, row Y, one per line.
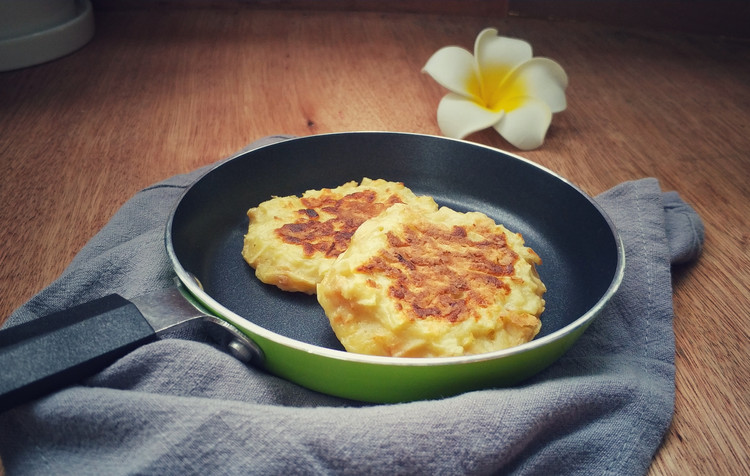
column 431, row 284
column 292, row 241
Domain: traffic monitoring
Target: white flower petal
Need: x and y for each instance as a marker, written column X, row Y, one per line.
column 454, row 69
column 496, row 55
column 541, row 78
column 459, row 117
column 526, row 125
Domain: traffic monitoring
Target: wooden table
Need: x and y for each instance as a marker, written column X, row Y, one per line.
column 162, row 92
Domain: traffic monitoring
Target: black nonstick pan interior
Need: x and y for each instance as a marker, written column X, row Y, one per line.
column 569, row 232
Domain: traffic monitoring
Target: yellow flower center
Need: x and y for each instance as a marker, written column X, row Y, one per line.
column 496, row 91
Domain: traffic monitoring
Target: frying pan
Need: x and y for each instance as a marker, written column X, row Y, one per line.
column 288, row 334
column 582, row 256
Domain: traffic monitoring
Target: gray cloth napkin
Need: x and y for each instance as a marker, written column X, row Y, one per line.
column 182, row 407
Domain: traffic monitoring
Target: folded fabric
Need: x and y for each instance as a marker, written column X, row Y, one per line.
column 181, row 406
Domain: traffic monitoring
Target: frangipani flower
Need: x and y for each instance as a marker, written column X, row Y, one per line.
column 500, row 86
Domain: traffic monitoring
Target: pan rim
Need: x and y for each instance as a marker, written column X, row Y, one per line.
column 193, row 287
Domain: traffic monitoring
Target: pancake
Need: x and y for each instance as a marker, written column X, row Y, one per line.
column 292, row 241
column 433, row 284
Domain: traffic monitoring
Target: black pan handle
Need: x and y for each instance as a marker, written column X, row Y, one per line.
column 53, row 351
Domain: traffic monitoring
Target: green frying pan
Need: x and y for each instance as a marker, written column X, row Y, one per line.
column 583, row 257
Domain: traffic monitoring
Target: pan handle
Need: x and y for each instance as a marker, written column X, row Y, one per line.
column 53, row 351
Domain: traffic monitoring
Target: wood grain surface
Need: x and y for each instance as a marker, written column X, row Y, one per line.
column 162, row 92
